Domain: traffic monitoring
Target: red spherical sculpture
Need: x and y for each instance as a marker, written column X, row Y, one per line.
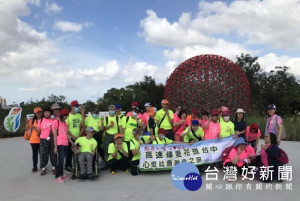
column 207, row 82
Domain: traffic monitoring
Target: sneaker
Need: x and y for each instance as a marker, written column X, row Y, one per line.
column 53, row 171
column 112, row 172
column 64, row 177
column 82, row 176
column 43, row 172
column 59, row 180
column 34, row 170
column 91, row 176
column 68, row 169
column 126, row 171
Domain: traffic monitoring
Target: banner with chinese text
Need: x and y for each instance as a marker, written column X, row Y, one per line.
column 165, row 157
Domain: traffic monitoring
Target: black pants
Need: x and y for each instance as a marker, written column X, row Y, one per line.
column 130, row 155
column 239, row 169
column 35, row 154
column 170, row 134
column 98, row 138
column 122, row 164
column 46, row 149
column 69, row 156
column 134, row 167
column 62, row 151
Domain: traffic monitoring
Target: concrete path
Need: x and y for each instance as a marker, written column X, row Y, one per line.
column 17, row 183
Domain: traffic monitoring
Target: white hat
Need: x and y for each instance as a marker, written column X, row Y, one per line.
column 240, row 110
column 147, row 104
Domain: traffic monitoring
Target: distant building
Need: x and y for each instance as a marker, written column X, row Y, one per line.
column 3, row 103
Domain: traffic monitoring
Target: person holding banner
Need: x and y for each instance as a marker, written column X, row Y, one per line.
column 34, row 140
column 164, row 118
column 239, row 156
column 213, row 128
column 162, row 139
column 118, row 155
column 227, row 127
column 252, row 135
column 193, row 132
column 180, row 124
column 135, row 144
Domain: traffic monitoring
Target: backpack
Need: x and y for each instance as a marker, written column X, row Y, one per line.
column 226, row 152
column 283, row 157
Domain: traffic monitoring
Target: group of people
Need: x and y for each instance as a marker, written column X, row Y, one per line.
column 117, row 138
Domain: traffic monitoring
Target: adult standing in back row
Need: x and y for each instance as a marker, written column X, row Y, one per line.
column 240, row 123
column 274, row 123
column 164, row 119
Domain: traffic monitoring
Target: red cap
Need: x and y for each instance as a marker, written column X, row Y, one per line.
column 225, row 113
column 194, row 111
column 135, row 104
column 254, row 126
column 63, row 112
column 118, row 136
column 214, row 112
column 74, row 103
column 162, row 131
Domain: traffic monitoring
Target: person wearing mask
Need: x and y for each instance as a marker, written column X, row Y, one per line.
column 112, row 127
column 87, row 150
column 130, row 123
column 46, row 142
column 227, row 127
column 75, row 121
column 119, row 114
column 135, row 145
column 96, row 122
column 240, row 123
column 164, row 119
column 34, row 140
column 61, row 142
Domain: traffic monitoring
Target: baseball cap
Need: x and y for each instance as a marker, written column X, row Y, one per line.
column 238, row 141
column 74, row 103
column 37, row 109
column 271, row 106
column 225, row 113
column 118, row 136
column 214, row 112
column 55, row 106
column 118, row 106
column 195, row 122
column 194, row 111
column 135, row 103
column 162, row 131
column 63, row 112
column 240, row 110
column 254, row 126
column 164, row 101
column 147, row 104
column 90, row 129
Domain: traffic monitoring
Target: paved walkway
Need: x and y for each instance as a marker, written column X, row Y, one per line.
column 17, row 183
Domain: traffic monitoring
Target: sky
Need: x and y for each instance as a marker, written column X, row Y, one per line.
column 80, row 49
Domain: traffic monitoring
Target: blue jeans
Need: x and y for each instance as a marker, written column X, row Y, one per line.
column 62, row 152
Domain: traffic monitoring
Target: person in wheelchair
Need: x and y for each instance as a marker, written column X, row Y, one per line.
column 87, row 149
